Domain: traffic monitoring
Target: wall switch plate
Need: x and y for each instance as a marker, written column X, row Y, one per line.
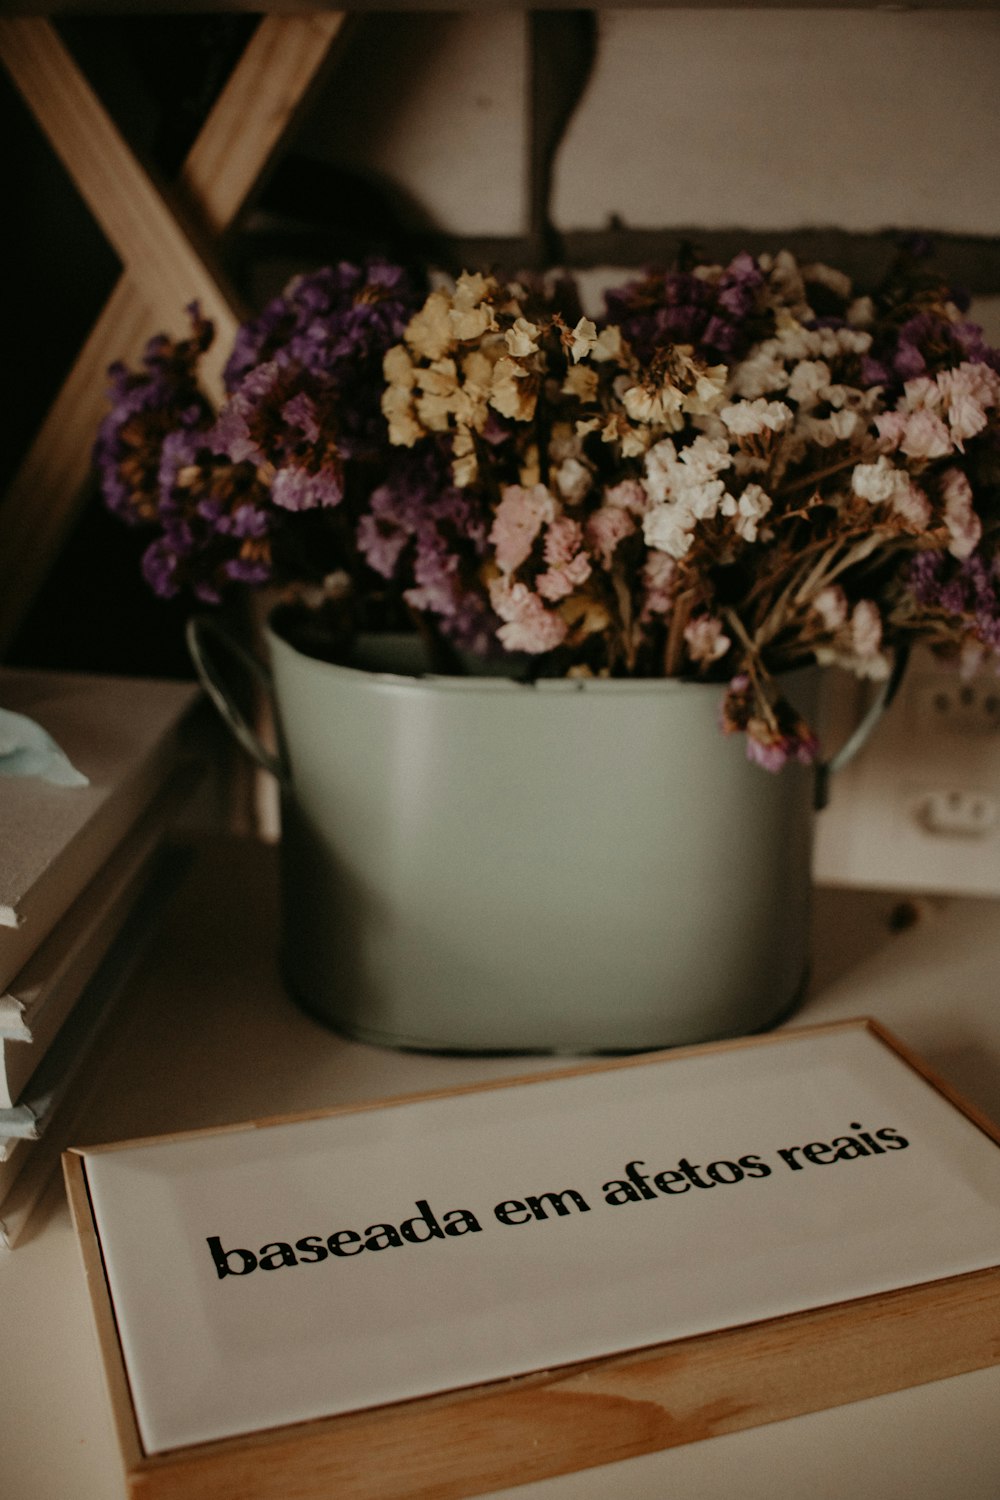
column 919, row 808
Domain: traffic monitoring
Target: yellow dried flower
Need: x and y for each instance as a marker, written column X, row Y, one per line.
column 465, row 467
column 617, row 429
column 584, row 339
column 397, row 408
column 477, row 370
column 530, row 468
column 470, row 317
column 512, row 392
column 581, row 382
column 586, row 616
column 472, row 288
column 438, row 391
column 522, row 338
column 472, row 324
column 608, row 345
column 397, row 366
column 429, row 332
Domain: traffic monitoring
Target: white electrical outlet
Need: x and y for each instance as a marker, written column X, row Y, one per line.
column 956, row 814
column 919, row 809
column 950, row 706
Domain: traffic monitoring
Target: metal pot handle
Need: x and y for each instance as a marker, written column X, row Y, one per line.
column 205, row 635
column 204, row 631
column 849, row 749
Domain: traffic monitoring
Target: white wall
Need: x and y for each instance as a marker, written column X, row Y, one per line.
column 769, row 119
column 435, row 106
column 786, row 119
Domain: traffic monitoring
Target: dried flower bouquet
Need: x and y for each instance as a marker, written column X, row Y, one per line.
column 734, row 471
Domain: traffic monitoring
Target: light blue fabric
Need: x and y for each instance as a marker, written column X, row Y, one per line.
column 27, row 750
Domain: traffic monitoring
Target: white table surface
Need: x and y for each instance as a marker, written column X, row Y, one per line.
column 209, row 1038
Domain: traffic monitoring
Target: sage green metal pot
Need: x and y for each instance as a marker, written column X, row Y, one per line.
column 476, row 864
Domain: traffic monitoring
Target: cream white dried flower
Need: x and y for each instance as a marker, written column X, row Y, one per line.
column 762, row 373
column 749, row 510
column 465, row 465
column 659, row 406
column 807, row 382
column 877, row 483
column 751, row 418
column 669, row 528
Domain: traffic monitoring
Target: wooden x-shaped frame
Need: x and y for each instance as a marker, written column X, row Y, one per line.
column 166, row 241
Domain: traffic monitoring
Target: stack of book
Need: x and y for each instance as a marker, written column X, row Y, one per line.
column 83, row 870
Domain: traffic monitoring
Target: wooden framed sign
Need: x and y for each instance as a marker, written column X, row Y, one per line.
column 518, row 1279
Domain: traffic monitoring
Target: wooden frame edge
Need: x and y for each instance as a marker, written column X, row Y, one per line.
column 112, row 1362
column 465, row 1442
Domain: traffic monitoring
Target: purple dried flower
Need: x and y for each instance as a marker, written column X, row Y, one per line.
column 159, row 567
column 967, row 591
column 873, row 372
column 300, row 412
column 676, row 307
column 246, row 570
column 248, row 521
column 160, row 404
column 923, row 344
column 381, row 543
column 296, row 489
column 908, row 362
column 344, row 314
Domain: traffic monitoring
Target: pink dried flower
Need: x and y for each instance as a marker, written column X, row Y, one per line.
column 528, row 625
column 966, row 412
column 963, row 524
column 775, row 732
column 706, row 640
column 658, row 577
column 628, row 495
column 891, row 428
column 772, row 750
column 569, row 567
column 606, row 528
column 866, row 629
column 926, row 436
column 563, row 540
column 518, row 520
column 559, row 583
column 831, row 606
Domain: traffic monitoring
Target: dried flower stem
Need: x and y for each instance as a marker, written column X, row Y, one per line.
column 674, row 652
column 805, row 481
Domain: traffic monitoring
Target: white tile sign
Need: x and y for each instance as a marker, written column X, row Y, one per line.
column 269, row 1275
